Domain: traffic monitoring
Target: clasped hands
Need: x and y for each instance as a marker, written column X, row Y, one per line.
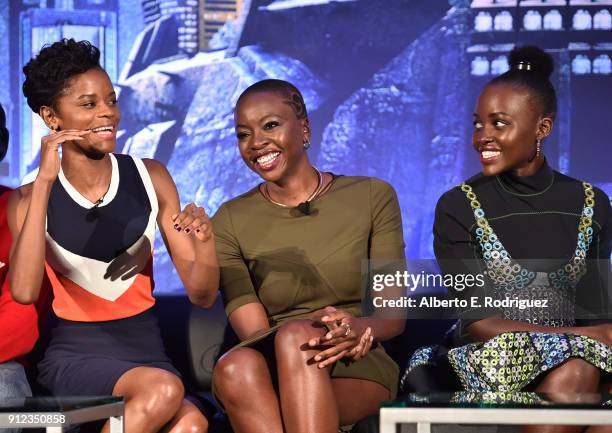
column 345, row 337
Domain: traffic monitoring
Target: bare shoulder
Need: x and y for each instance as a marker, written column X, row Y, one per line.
column 153, row 164
column 22, row 194
column 156, row 169
column 18, row 204
column 161, row 178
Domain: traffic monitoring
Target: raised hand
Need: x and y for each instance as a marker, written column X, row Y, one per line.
column 193, row 221
column 49, row 152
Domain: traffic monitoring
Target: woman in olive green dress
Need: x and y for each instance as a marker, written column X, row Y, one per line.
column 291, row 252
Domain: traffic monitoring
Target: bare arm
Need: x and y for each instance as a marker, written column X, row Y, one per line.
column 27, row 209
column 249, row 320
column 188, row 237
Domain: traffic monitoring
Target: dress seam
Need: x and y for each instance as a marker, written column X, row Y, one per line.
column 231, row 221
column 536, row 213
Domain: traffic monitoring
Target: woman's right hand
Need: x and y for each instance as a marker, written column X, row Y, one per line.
column 49, row 152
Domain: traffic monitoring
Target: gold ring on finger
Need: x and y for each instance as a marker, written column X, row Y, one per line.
column 347, row 327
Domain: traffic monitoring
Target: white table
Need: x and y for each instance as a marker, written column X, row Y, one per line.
column 56, row 414
column 419, row 413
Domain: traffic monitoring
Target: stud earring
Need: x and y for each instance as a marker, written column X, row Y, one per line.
column 307, row 145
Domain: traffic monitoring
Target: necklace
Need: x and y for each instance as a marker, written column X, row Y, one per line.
column 309, row 199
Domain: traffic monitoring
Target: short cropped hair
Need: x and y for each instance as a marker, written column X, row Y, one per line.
column 293, row 96
column 48, row 75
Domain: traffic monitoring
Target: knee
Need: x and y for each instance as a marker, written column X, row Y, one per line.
column 576, row 373
column 194, row 422
column 198, row 426
column 291, row 344
column 168, row 390
column 293, row 336
column 162, row 398
column 238, row 371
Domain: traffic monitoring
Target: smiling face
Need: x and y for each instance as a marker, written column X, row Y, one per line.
column 270, row 135
column 88, row 103
column 507, row 124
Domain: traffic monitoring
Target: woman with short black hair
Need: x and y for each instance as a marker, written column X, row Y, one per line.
column 89, row 218
column 291, row 252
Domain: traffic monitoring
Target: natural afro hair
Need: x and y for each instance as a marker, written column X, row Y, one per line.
column 291, row 93
column 49, row 73
column 531, row 68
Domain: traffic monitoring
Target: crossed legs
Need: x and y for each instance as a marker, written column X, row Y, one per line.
column 308, row 399
column 154, row 401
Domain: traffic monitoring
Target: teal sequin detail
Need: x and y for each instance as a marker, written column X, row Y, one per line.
column 510, row 361
column 509, row 278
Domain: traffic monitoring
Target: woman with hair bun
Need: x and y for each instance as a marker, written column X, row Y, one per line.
column 89, row 220
column 536, row 234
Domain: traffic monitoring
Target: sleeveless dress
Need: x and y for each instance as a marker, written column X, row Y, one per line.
column 513, row 361
column 99, row 261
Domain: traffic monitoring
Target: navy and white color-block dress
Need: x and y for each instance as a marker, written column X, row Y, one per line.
column 99, row 261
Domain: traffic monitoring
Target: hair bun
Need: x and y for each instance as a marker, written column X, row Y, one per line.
column 532, row 59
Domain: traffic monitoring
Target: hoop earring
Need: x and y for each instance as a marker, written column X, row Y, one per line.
column 307, row 145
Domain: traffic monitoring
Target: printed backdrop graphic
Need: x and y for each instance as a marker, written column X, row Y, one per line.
column 390, row 86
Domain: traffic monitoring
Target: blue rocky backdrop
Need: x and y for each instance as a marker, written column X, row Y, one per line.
column 390, row 86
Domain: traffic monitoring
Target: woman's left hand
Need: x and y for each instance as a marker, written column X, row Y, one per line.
column 346, row 336
column 193, row 221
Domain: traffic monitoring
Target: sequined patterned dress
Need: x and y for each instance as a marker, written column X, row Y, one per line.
column 512, row 361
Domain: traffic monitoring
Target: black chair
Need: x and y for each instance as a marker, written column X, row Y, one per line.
column 208, row 337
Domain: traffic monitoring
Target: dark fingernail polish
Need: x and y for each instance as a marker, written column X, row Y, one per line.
column 197, row 230
column 176, row 226
column 179, row 229
column 186, row 230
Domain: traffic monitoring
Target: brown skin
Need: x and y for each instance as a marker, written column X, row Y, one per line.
column 307, row 399
column 266, row 123
column 154, row 397
column 508, row 120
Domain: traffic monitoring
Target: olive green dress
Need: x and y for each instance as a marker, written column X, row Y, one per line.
column 294, row 264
